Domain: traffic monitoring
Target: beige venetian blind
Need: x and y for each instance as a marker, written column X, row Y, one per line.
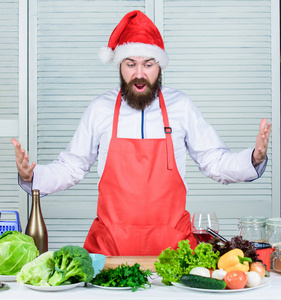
column 9, row 102
column 221, row 55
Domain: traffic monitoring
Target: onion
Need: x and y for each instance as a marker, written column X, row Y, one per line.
column 219, row 274
column 253, row 279
column 200, row 271
column 259, row 268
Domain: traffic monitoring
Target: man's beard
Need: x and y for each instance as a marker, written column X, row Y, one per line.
column 140, row 100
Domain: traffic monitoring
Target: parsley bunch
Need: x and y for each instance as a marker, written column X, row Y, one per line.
column 123, row 276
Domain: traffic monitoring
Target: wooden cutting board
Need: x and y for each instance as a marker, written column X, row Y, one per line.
column 146, row 262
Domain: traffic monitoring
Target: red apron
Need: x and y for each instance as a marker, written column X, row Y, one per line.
column 141, row 204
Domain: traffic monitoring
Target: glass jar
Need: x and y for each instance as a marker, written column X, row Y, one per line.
column 252, row 229
column 273, row 229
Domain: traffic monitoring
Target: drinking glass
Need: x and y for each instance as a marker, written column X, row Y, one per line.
column 200, row 221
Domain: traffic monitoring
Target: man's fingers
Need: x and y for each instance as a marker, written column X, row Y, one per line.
column 268, row 127
column 262, row 142
column 29, row 172
column 14, row 141
column 18, row 149
column 262, row 125
column 265, row 129
column 31, row 167
column 24, row 162
column 20, row 155
column 16, row 144
column 25, row 170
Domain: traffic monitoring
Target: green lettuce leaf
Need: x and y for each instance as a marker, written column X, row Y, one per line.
column 38, row 271
column 16, row 249
column 173, row 264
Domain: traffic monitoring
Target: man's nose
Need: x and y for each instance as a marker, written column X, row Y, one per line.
column 139, row 71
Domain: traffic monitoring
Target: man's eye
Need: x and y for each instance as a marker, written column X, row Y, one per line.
column 130, row 65
column 148, row 65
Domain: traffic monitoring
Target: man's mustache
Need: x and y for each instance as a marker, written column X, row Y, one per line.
column 139, row 81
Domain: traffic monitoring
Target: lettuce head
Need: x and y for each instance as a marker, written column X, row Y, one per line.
column 38, row 271
column 173, row 264
column 16, row 250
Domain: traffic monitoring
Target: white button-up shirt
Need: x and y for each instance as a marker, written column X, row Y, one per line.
column 190, row 133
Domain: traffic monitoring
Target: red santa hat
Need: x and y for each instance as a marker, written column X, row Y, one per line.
column 135, row 35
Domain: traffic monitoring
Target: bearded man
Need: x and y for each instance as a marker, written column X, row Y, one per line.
column 141, row 133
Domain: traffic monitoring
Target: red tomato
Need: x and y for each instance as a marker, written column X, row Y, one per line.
column 235, row 280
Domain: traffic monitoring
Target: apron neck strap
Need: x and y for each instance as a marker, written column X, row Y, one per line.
column 168, row 132
column 167, row 129
column 116, row 115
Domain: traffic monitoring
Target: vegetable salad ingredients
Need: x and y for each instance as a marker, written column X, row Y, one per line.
column 123, row 276
column 219, row 274
column 259, row 268
column 235, row 279
column 202, row 282
column 16, row 250
column 37, row 272
column 253, row 279
column 236, row 242
column 69, row 264
column 234, row 260
column 200, row 271
column 72, row 263
column 173, row 264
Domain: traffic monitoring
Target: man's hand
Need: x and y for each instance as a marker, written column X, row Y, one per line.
column 261, row 143
column 25, row 170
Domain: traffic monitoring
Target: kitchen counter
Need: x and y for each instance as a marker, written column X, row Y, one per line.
column 158, row 290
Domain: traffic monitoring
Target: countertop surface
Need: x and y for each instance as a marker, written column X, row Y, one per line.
column 158, row 290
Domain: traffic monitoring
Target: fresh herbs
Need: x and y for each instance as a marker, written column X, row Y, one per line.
column 123, row 276
column 175, row 263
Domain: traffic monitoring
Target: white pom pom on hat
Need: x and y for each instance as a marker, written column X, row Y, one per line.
column 106, row 55
column 135, row 35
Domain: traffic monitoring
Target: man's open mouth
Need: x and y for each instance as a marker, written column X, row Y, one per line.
column 139, row 87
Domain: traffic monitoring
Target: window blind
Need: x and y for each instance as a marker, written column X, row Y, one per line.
column 220, row 53
column 9, row 93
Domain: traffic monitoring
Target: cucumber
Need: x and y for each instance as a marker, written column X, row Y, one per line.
column 196, row 281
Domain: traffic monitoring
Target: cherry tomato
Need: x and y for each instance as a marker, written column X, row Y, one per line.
column 235, row 280
column 259, row 268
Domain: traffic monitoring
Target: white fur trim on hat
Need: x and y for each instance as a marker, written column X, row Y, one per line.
column 140, row 50
column 106, row 55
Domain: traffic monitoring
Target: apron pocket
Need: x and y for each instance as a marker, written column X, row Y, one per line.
column 145, row 240
column 99, row 240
